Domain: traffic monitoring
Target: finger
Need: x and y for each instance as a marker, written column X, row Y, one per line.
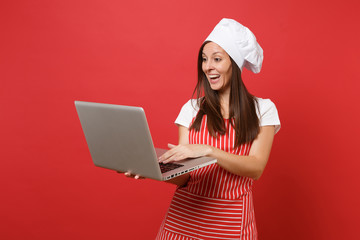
column 166, row 155
column 128, row 174
column 139, row 177
column 174, row 158
column 171, row 145
column 173, row 154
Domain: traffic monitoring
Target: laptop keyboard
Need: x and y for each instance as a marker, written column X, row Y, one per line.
column 165, row 167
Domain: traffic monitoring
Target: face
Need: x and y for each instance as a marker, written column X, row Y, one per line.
column 216, row 65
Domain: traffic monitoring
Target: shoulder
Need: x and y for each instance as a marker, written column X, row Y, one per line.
column 191, row 105
column 267, row 113
column 187, row 113
column 264, row 104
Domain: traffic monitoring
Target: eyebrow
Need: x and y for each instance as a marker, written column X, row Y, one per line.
column 213, row 53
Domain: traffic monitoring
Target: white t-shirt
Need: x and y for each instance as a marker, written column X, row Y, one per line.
column 267, row 113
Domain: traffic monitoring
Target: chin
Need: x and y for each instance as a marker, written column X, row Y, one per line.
column 216, row 87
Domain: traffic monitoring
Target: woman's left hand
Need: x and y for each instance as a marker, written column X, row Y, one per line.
column 183, row 151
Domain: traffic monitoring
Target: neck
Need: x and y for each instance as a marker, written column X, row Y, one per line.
column 224, row 98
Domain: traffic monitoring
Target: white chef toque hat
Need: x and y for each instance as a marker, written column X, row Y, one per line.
column 239, row 42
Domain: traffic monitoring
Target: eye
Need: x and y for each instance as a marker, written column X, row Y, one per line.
column 204, row 59
column 217, row 59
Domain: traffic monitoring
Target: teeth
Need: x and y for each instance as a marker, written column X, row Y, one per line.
column 214, row 76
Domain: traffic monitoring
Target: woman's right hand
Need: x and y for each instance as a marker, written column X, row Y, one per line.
column 129, row 175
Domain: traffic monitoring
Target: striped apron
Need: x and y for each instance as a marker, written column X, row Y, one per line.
column 215, row 204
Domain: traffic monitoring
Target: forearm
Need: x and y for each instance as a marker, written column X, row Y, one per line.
column 247, row 166
column 252, row 165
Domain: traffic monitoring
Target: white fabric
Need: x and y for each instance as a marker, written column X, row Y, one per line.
column 239, row 42
column 267, row 113
column 187, row 113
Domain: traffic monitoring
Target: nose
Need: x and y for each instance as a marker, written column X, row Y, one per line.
column 208, row 65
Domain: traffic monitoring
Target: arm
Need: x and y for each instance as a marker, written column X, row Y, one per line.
column 183, row 139
column 252, row 165
column 249, row 166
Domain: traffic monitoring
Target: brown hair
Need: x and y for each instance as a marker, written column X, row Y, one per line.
column 242, row 106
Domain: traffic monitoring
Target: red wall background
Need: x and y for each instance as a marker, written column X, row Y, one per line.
column 144, row 53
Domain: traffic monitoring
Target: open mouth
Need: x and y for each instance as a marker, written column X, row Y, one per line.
column 214, row 77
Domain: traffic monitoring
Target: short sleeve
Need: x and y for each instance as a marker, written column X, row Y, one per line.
column 187, row 113
column 268, row 114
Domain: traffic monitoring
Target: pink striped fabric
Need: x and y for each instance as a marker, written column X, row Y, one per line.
column 215, row 204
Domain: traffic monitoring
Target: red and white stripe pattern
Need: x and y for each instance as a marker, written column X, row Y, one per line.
column 215, row 204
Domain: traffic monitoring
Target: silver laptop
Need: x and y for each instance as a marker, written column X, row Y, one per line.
column 119, row 138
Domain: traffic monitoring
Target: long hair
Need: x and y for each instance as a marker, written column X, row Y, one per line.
column 242, row 106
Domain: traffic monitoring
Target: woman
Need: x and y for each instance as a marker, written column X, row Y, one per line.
column 228, row 123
